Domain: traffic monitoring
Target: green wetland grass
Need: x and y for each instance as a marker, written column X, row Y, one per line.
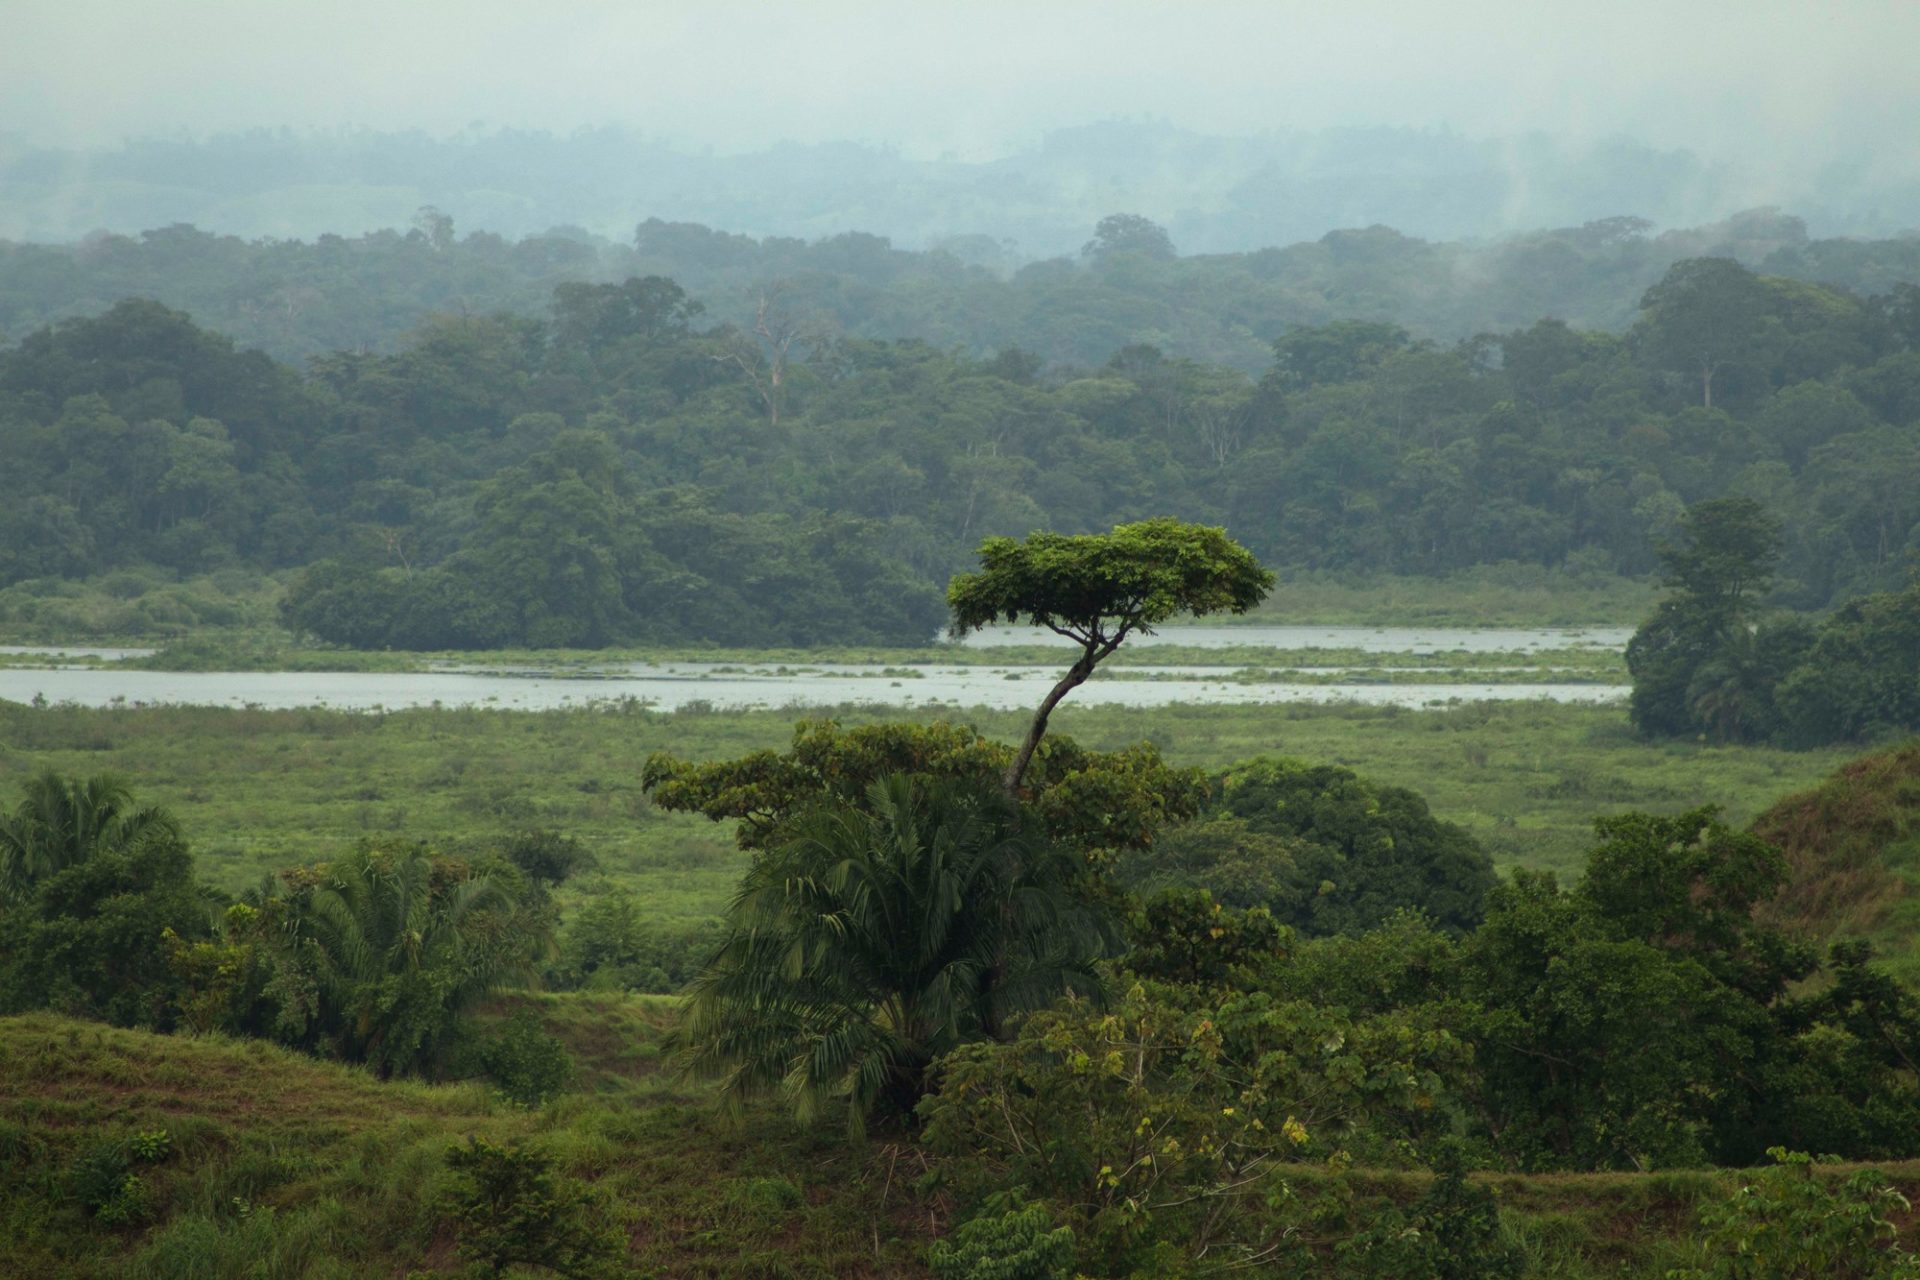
column 259, row 790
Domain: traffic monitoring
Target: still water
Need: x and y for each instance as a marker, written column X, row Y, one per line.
column 669, row 686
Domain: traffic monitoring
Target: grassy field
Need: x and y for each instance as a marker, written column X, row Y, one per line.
column 280, row 1165
column 259, row 790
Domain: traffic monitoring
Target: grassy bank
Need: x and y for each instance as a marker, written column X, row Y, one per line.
column 1495, row 595
column 258, row 790
column 145, row 605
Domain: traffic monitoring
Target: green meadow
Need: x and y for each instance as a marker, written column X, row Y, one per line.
column 260, row 790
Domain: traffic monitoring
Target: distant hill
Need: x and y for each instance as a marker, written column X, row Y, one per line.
column 1215, row 194
column 300, row 298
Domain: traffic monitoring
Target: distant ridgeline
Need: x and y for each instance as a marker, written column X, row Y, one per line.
column 613, row 465
column 296, row 299
column 1216, row 194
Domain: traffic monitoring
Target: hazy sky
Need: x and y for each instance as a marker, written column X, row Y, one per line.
column 1799, row 81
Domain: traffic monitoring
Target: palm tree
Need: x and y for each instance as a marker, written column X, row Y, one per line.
column 61, row 822
column 1730, row 695
column 879, row 937
column 396, row 945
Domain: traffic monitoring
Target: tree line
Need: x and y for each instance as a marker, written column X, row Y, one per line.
column 1712, row 662
column 298, row 299
column 624, row 471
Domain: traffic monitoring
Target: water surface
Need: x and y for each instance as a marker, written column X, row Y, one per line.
column 671, row 686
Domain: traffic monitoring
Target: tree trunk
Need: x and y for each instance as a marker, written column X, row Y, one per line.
column 1076, row 676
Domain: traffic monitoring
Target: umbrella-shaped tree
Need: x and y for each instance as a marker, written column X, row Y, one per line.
column 1098, row 589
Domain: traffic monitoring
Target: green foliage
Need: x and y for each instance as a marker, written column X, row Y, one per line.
column 61, row 822
column 287, row 1165
column 1343, row 853
column 511, row 1209
column 1641, row 1020
column 99, row 890
column 877, row 937
column 150, row 1146
column 380, row 955
column 525, row 1063
column 1794, row 1222
column 612, row 942
column 546, row 858
column 1453, row 1232
column 1185, row 936
column 1701, row 664
column 1163, row 1123
column 1691, row 886
column 1728, row 558
column 220, row 978
column 765, row 1197
column 1859, row 677
column 1098, row 802
column 1098, row 588
column 104, row 1181
column 1020, row 1244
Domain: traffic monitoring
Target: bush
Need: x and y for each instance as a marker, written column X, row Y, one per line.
column 511, row 1209
column 1451, row 1233
column 1022, row 1244
column 609, row 944
column 526, row 1064
column 103, row 1180
column 1790, row 1223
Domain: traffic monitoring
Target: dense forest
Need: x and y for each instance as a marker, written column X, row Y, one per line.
column 1126, row 281
column 622, row 467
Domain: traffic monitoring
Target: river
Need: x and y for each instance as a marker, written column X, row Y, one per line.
column 730, row 686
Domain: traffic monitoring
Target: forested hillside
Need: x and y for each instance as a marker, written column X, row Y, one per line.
column 1128, row 283
column 621, row 467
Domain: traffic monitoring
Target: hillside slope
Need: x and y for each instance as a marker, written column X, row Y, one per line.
column 279, row 1165
column 1853, row 853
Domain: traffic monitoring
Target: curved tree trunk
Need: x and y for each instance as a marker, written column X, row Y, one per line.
column 1076, row 676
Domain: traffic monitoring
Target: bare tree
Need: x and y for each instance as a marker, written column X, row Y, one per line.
column 763, row 351
column 1220, row 424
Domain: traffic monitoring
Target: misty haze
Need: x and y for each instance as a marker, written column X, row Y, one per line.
column 1046, row 641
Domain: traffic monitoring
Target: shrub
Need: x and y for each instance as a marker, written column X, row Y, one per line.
column 511, row 1209
column 103, row 1180
column 526, row 1064
column 1451, row 1233
column 1022, row 1244
column 1789, row 1223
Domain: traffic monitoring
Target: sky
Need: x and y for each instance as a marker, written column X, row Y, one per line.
column 1798, row 82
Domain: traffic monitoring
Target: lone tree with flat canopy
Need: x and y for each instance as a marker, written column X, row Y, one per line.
column 1098, row 589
